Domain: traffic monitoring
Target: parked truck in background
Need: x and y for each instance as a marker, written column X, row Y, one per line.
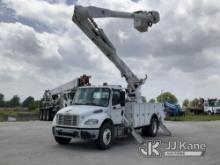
column 59, row 97
column 212, row 106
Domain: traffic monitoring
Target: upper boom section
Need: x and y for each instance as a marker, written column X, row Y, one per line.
column 83, row 17
column 142, row 19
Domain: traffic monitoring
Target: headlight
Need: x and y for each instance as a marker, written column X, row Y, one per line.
column 91, row 122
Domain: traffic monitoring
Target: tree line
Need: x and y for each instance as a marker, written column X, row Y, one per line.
column 195, row 103
column 171, row 98
column 15, row 101
column 31, row 103
column 164, row 97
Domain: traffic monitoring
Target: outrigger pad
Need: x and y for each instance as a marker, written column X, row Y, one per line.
column 137, row 136
column 165, row 129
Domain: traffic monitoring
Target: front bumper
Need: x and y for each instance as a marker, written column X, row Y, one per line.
column 83, row 133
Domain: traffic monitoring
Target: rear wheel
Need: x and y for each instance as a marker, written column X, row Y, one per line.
column 61, row 140
column 47, row 115
column 152, row 129
column 44, row 114
column 41, row 115
column 106, row 136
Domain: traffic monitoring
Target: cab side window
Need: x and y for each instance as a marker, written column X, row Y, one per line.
column 116, row 97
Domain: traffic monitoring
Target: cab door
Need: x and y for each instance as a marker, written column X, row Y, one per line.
column 116, row 108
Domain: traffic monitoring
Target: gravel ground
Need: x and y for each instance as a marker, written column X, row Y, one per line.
column 32, row 143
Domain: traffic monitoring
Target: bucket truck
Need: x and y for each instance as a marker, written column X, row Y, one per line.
column 104, row 112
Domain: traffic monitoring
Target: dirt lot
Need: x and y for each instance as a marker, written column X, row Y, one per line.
column 31, row 143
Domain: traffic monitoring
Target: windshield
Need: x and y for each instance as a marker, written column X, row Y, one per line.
column 92, row 96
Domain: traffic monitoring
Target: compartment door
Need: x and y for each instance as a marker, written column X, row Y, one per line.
column 149, row 109
column 136, row 112
column 142, row 114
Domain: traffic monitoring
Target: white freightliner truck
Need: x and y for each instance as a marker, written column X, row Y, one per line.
column 104, row 112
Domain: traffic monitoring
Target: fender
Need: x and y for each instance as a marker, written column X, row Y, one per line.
column 101, row 117
column 157, row 116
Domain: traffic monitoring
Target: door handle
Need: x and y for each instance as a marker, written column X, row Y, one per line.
column 116, row 107
column 122, row 113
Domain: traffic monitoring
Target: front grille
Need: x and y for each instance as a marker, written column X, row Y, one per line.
column 67, row 120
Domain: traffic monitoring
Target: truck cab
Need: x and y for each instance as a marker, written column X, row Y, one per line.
column 91, row 108
column 99, row 113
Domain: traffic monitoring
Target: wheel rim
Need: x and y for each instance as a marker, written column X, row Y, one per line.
column 154, row 127
column 107, row 136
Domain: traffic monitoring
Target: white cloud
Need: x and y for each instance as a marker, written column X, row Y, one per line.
column 180, row 54
column 56, row 16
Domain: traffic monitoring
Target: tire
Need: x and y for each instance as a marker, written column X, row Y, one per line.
column 50, row 115
column 61, row 140
column 106, row 136
column 152, row 129
column 44, row 114
column 210, row 113
column 41, row 115
column 47, row 115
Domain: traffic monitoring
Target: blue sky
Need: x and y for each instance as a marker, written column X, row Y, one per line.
column 41, row 48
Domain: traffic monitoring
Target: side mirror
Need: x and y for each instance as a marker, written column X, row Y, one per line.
column 122, row 102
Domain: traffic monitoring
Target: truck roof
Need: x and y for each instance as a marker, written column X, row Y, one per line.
column 103, row 86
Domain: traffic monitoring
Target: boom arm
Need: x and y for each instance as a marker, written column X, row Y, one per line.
column 83, row 17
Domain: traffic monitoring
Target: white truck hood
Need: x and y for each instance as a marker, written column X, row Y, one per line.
column 79, row 109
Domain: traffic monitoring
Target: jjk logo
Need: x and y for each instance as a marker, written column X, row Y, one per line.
column 151, row 149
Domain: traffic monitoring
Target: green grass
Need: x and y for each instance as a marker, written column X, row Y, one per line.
column 8, row 112
column 13, row 112
column 201, row 117
column 1, row 119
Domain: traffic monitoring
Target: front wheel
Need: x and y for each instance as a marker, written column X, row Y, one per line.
column 152, row 129
column 106, row 136
column 210, row 113
column 62, row 140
